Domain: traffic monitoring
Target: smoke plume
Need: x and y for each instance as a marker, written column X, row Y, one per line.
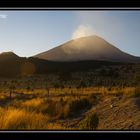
column 82, row 31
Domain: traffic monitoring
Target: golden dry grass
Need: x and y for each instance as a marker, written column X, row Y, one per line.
column 12, row 118
column 32, row 103
column 29, row 113
column 70, row 91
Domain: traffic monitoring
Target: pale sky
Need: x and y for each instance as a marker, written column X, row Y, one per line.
column 27, row 33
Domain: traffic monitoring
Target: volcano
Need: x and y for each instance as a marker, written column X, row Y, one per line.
column 87, row 48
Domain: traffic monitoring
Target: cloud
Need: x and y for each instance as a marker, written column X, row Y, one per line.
column 82, row 31
column 3, row 16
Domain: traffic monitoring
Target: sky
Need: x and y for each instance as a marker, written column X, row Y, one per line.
column 28, row 33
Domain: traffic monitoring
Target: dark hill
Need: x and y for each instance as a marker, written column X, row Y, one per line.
column 12, row 65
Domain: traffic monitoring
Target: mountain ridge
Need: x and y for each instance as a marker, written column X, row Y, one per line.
column 87, row 48
column 91, row 52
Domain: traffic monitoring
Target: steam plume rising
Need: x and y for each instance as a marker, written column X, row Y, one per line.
column 82, row 31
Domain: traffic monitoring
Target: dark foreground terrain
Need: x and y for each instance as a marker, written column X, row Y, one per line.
column 86, row 96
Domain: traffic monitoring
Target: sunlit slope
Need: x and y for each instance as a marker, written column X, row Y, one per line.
column 87, row 48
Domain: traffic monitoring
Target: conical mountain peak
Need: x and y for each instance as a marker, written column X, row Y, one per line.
column 87, row 48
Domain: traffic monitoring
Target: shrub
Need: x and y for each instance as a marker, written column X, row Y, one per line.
column 82, row 84
column 61, row 100
column 94, row 98
column 52, row 108
column 28, row 88
column 74, row 107
column 136, row 92
column 91, row 122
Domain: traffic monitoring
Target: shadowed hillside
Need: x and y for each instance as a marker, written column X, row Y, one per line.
column 12, row 65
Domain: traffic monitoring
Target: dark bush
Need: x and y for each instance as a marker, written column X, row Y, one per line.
column 137, row 92
column 94, row 98
column 91, row 122
column 52, row 108
column 75, row 107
